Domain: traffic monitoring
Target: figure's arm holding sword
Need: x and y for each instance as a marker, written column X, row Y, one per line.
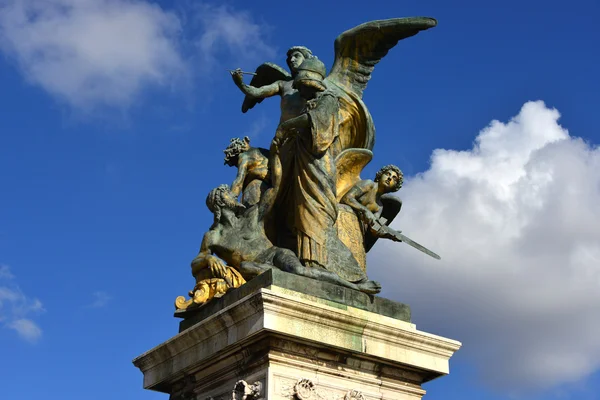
column 352, row 199
column 384, row 231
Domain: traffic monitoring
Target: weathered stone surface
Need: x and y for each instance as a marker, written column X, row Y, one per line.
column 282, row 338
column 324, row 292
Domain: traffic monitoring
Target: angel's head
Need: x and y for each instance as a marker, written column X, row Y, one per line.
column 296, row 56
column 390, row 178
column 309, row 78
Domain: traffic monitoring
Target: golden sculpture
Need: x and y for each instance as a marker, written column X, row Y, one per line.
column 304, row 208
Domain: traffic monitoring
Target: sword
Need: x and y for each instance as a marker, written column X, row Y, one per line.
column 243, row 72
column 398, row 237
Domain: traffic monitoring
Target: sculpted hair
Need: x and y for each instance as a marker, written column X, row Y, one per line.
column 236, row 147
column 303, row 50
column 215, row 201
column 387, row 168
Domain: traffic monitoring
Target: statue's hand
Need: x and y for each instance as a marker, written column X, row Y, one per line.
column 238, row 76
column 217, row 267
column 368, row 217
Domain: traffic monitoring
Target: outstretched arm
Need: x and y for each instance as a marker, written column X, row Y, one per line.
column 256, row 92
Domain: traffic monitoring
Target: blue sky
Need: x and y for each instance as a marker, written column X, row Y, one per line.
column 113, row 117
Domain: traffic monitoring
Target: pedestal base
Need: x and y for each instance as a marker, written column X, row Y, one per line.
column 295, row 346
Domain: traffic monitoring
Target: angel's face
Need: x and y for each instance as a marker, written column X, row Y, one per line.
column 295, row 60
column 389, row 180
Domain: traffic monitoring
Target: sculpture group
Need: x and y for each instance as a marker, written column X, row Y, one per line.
column 300, row 206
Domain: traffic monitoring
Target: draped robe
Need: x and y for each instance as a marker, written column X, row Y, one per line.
column 306, row 210
column 313, row 185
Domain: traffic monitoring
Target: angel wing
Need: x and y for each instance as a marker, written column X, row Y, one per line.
column 266, row 74
column 391, row 208
column 359, row 49
column 349, row 164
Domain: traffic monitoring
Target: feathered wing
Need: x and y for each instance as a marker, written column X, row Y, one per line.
column 359, row 49
column 349, row 163
column 391, row 208
column 266, row 74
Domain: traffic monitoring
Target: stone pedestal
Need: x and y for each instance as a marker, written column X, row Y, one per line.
column 282, row 336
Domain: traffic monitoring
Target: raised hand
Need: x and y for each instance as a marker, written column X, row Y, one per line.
column 238, row 76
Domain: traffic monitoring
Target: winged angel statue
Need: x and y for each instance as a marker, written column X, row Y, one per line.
column 357, row 51
column 312, row 215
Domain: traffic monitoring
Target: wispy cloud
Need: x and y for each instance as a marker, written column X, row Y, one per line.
column 92, row 54
column 27, row 329
column 231, row 33
column 16, row 308
column 101, row 299
column 5, row 272
column 515, row 220
column 258, row 126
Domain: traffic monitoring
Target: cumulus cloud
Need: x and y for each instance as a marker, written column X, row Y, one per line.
column 16, row 308
column 92, row 52
column 96, row 53
column 515, row 220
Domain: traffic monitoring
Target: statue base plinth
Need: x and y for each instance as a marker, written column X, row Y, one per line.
column 295, row 345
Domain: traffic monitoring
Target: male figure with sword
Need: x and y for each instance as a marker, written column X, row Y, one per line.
column 365, row 199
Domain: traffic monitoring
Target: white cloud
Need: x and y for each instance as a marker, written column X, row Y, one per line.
column 96, row 53
column 27, row 329
column 232, row 32
column 100, row 299
column 92, row 52
column 515, row 220
column 15, row 307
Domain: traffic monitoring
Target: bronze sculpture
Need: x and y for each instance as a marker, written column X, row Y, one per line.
column 304, row 208
column 253, row 169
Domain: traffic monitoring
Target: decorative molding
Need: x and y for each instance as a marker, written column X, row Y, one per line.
column 304, row 389
column 354, row 395
column 243, row 391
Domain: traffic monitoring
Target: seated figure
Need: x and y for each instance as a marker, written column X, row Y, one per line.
column 236, row 248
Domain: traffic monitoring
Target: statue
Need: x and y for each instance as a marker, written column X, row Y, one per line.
column 311, row 190
column 304, row 208
column 253, row 169
column 271, row 80
column 365, row 196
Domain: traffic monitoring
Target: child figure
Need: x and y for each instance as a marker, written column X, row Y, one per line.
column 365, row 196
column 253, row 176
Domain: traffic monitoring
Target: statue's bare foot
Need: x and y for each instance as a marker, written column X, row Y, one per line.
column 370, row 287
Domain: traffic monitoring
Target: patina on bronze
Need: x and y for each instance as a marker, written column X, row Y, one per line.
column 304, row 208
